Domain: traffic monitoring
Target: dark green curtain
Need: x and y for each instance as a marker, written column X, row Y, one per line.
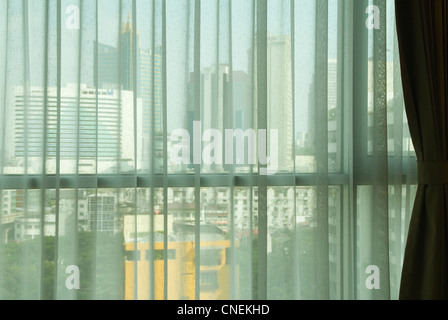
column 423, row 38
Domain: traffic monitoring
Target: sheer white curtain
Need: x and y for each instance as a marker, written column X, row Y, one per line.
column 202, row 149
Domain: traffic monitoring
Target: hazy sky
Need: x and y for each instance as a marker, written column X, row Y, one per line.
column 215, row 39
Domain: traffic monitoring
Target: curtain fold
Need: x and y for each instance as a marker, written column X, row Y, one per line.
column 422, row 28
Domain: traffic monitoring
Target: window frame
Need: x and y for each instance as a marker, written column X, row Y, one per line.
column 354, row 125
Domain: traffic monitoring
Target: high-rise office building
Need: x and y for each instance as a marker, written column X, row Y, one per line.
column 116, row 70
column 333, row 125
column 85, row 127
column 224, row 103
column 279, row 95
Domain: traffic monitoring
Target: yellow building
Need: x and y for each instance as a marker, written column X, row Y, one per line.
column 215, row 271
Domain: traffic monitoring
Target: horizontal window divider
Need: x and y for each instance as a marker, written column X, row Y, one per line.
column 367, row 179
column 71, row 181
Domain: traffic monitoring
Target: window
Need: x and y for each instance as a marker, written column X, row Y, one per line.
column 160, row 254
column 209, row 280
column 210, row 257
column 225, row 147
column 132, row 255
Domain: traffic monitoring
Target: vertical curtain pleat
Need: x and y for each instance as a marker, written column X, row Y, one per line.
column 295, row 275
column 4, row 79
column 165, row 134
column 261, row 47
column 321, row 240
column 58, row 143
column 380, row 218
column 136, row 90
column 229, row 108
column 29, row 287
column 44, row 137
column 151, row 174
column 197, row 143
column 348, row 278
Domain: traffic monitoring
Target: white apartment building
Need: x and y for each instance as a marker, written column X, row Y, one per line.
column 28, row 228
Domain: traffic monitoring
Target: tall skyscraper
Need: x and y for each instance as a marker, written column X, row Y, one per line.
column 333, row 125
column 216, row 109
column 116, row 71
column 279, row 87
